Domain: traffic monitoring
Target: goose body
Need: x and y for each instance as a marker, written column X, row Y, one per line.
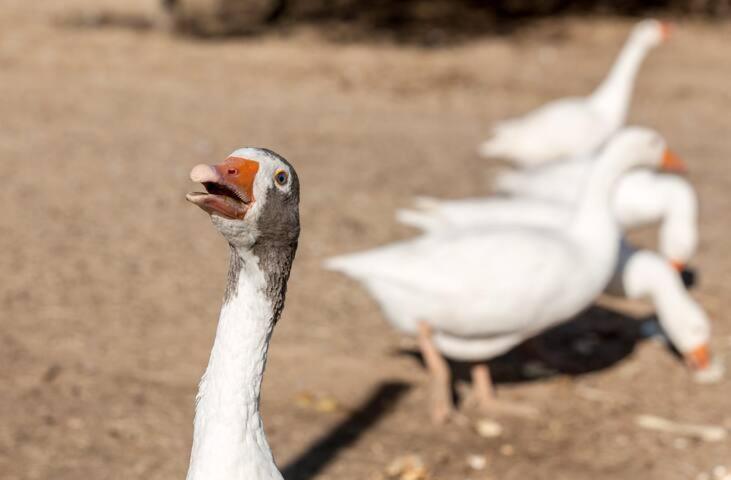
column 574, row 126
column 252, row 199
column 474, row 293
column 503, row 284
column 446, row 279
column 638, row 274
column 642, row 197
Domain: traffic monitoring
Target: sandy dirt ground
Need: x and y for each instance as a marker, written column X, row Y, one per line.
column 113, row 282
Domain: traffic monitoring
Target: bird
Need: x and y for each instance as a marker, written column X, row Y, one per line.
column 253, row 201
column 642, row 197
column 577, row 125
column 486, row 289
column 644, row 274
column 638, row 274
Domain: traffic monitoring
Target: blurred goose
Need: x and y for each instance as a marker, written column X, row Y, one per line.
column 642, row 197
column 638, row 273
column 252, row 198
column 496, row 286
column 573, row 126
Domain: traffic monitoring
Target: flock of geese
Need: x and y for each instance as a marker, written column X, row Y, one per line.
column 486, row 273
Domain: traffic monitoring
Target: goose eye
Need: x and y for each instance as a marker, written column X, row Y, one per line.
column 281, row 177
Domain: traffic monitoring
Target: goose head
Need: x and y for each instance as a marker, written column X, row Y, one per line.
column 634, row 147
column 689, row 329
column 684, row 321
column 651, row 33
column 252, row 197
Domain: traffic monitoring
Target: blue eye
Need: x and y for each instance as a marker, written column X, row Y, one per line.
column 281, row 177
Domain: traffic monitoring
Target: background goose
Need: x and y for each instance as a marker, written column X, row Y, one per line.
column 639, row 274
column 253, row 200
column 573, row 126
column 642, row 197
column 499, row 286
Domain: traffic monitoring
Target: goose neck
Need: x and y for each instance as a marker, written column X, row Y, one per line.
column 613, row 95
column 594, row 221
column 228, row 440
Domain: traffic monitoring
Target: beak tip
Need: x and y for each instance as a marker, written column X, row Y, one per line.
column 666, row 29
column 700, row 357
column 672, row 163
column 203, row 173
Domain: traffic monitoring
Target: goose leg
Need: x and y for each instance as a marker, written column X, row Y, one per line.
column 442, row 406
column 483, row 391
column 483, row 396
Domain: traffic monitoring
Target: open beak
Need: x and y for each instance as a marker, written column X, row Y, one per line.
column 672, row 163
column 229, row 187
column 699, row 358
column 678, row 266
column 666, row 30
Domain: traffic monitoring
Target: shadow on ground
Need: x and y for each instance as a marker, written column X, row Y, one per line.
column 323, row 450
column 595, row 340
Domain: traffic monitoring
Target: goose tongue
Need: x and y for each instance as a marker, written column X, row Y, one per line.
column 229, row 187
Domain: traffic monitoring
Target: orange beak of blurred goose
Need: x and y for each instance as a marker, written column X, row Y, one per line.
column 229, row 187
column 678, row 266
column 699, row 358
column 672, row 163
column 666, row 29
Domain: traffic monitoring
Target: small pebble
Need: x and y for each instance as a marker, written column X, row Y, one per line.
column 327, row 405
column 487, row 428
column 323, row 404
column 720, row 472
column 407, row 467
column 477, row 462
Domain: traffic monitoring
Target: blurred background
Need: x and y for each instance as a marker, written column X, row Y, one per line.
column 113, row 282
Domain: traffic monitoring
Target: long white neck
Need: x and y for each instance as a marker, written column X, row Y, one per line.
column 594, row 224
column 613, row 95
column 679, row 229
column 228, row 439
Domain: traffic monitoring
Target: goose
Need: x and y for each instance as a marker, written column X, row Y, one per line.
column 473, row 294
column 638, row 274
column 642, row 197
column 573, row 126
column 253, row 201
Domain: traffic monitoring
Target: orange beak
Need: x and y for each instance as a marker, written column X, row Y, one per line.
column 240, row 173
column 699, row 358
column 672, row 163
column 678, row 266
column 229, row 187
column 666, row 30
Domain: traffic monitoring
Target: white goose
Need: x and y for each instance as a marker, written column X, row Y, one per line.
column 493, row 287
column 573, row 126
column 638, row 273
column 253, row 200
column 642, row 197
